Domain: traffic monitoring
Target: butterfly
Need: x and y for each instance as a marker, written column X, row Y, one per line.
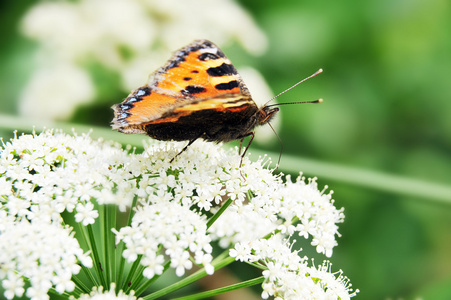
column 197, row 94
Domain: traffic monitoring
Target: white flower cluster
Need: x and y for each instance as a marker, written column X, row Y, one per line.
column 315, row 210
column 288, row 276
column 277, row 205
column 169, row 225
column 177, row 197
column 100, row 294
column 131, row 37
column 46, row 254
column 43, row 175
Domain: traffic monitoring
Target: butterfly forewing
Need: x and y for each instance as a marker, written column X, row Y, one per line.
column 198, row 76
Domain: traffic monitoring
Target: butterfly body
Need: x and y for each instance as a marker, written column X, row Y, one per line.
column 198, row 93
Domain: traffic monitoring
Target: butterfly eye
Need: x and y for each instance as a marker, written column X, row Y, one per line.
column 266, row 114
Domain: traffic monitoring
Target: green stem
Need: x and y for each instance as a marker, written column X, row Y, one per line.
column 136, row 280
column 96, row 258
column 106, row 241
column 80, row 284
column 217, row 263
column 222, row 290
column 88, row 271
column 90, row 276
column 121, row 249
column 149, row 282
column 219, row 213
column 131, row 273
column 112, row 212
column 121, row 267
column 55, row 295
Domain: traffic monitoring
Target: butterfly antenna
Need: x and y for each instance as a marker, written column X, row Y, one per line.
column 281, row 146
column 295, row 85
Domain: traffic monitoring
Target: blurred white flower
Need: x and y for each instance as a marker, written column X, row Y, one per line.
column 70, row 31
column 55, row 91
column 130, row 37
column 218, row 20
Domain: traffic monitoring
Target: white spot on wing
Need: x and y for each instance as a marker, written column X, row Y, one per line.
column 208, row 50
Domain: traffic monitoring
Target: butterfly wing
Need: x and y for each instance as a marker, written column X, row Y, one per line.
column 197, row 77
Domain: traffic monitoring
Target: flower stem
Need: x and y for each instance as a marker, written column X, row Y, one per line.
column 106, row 241
column 148, row 283
column 218, row 263
column 112, row 212
column 222, row 290
column 80, row 285
column 136, row 280
column 219, row 213
column 131, row 273
column 120, row 250
column 96, row 259
column 89, row 275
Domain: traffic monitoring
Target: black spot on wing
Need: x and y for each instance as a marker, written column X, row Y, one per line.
column 227, row 85
column 187, row 78
column 192, row 90
column 222, row 70
column 194, row 71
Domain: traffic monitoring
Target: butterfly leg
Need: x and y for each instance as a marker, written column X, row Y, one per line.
column 252, row 134
column 186, row 147
column 241, row 144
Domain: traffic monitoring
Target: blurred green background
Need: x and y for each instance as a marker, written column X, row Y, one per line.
column 381, row 139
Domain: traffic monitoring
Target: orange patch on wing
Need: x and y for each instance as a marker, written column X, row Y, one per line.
column 182, row 76
column 150, row 108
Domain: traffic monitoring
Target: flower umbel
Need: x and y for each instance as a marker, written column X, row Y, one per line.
column 177, row 212
column 45, row 254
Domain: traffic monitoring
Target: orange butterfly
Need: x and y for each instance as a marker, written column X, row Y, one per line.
column 198, row 93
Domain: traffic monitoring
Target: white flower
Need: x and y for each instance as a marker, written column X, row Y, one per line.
column 241, row 252
column 100, row 294
column 86, row 213
column 55, row 91
column 153, row 263
column 171, row 226
column 315, row 210
column 335, row 284
column 44, row 253
column 46, row 174
column 288, row 276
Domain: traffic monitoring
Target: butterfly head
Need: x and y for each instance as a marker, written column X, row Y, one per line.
column 265, row 114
